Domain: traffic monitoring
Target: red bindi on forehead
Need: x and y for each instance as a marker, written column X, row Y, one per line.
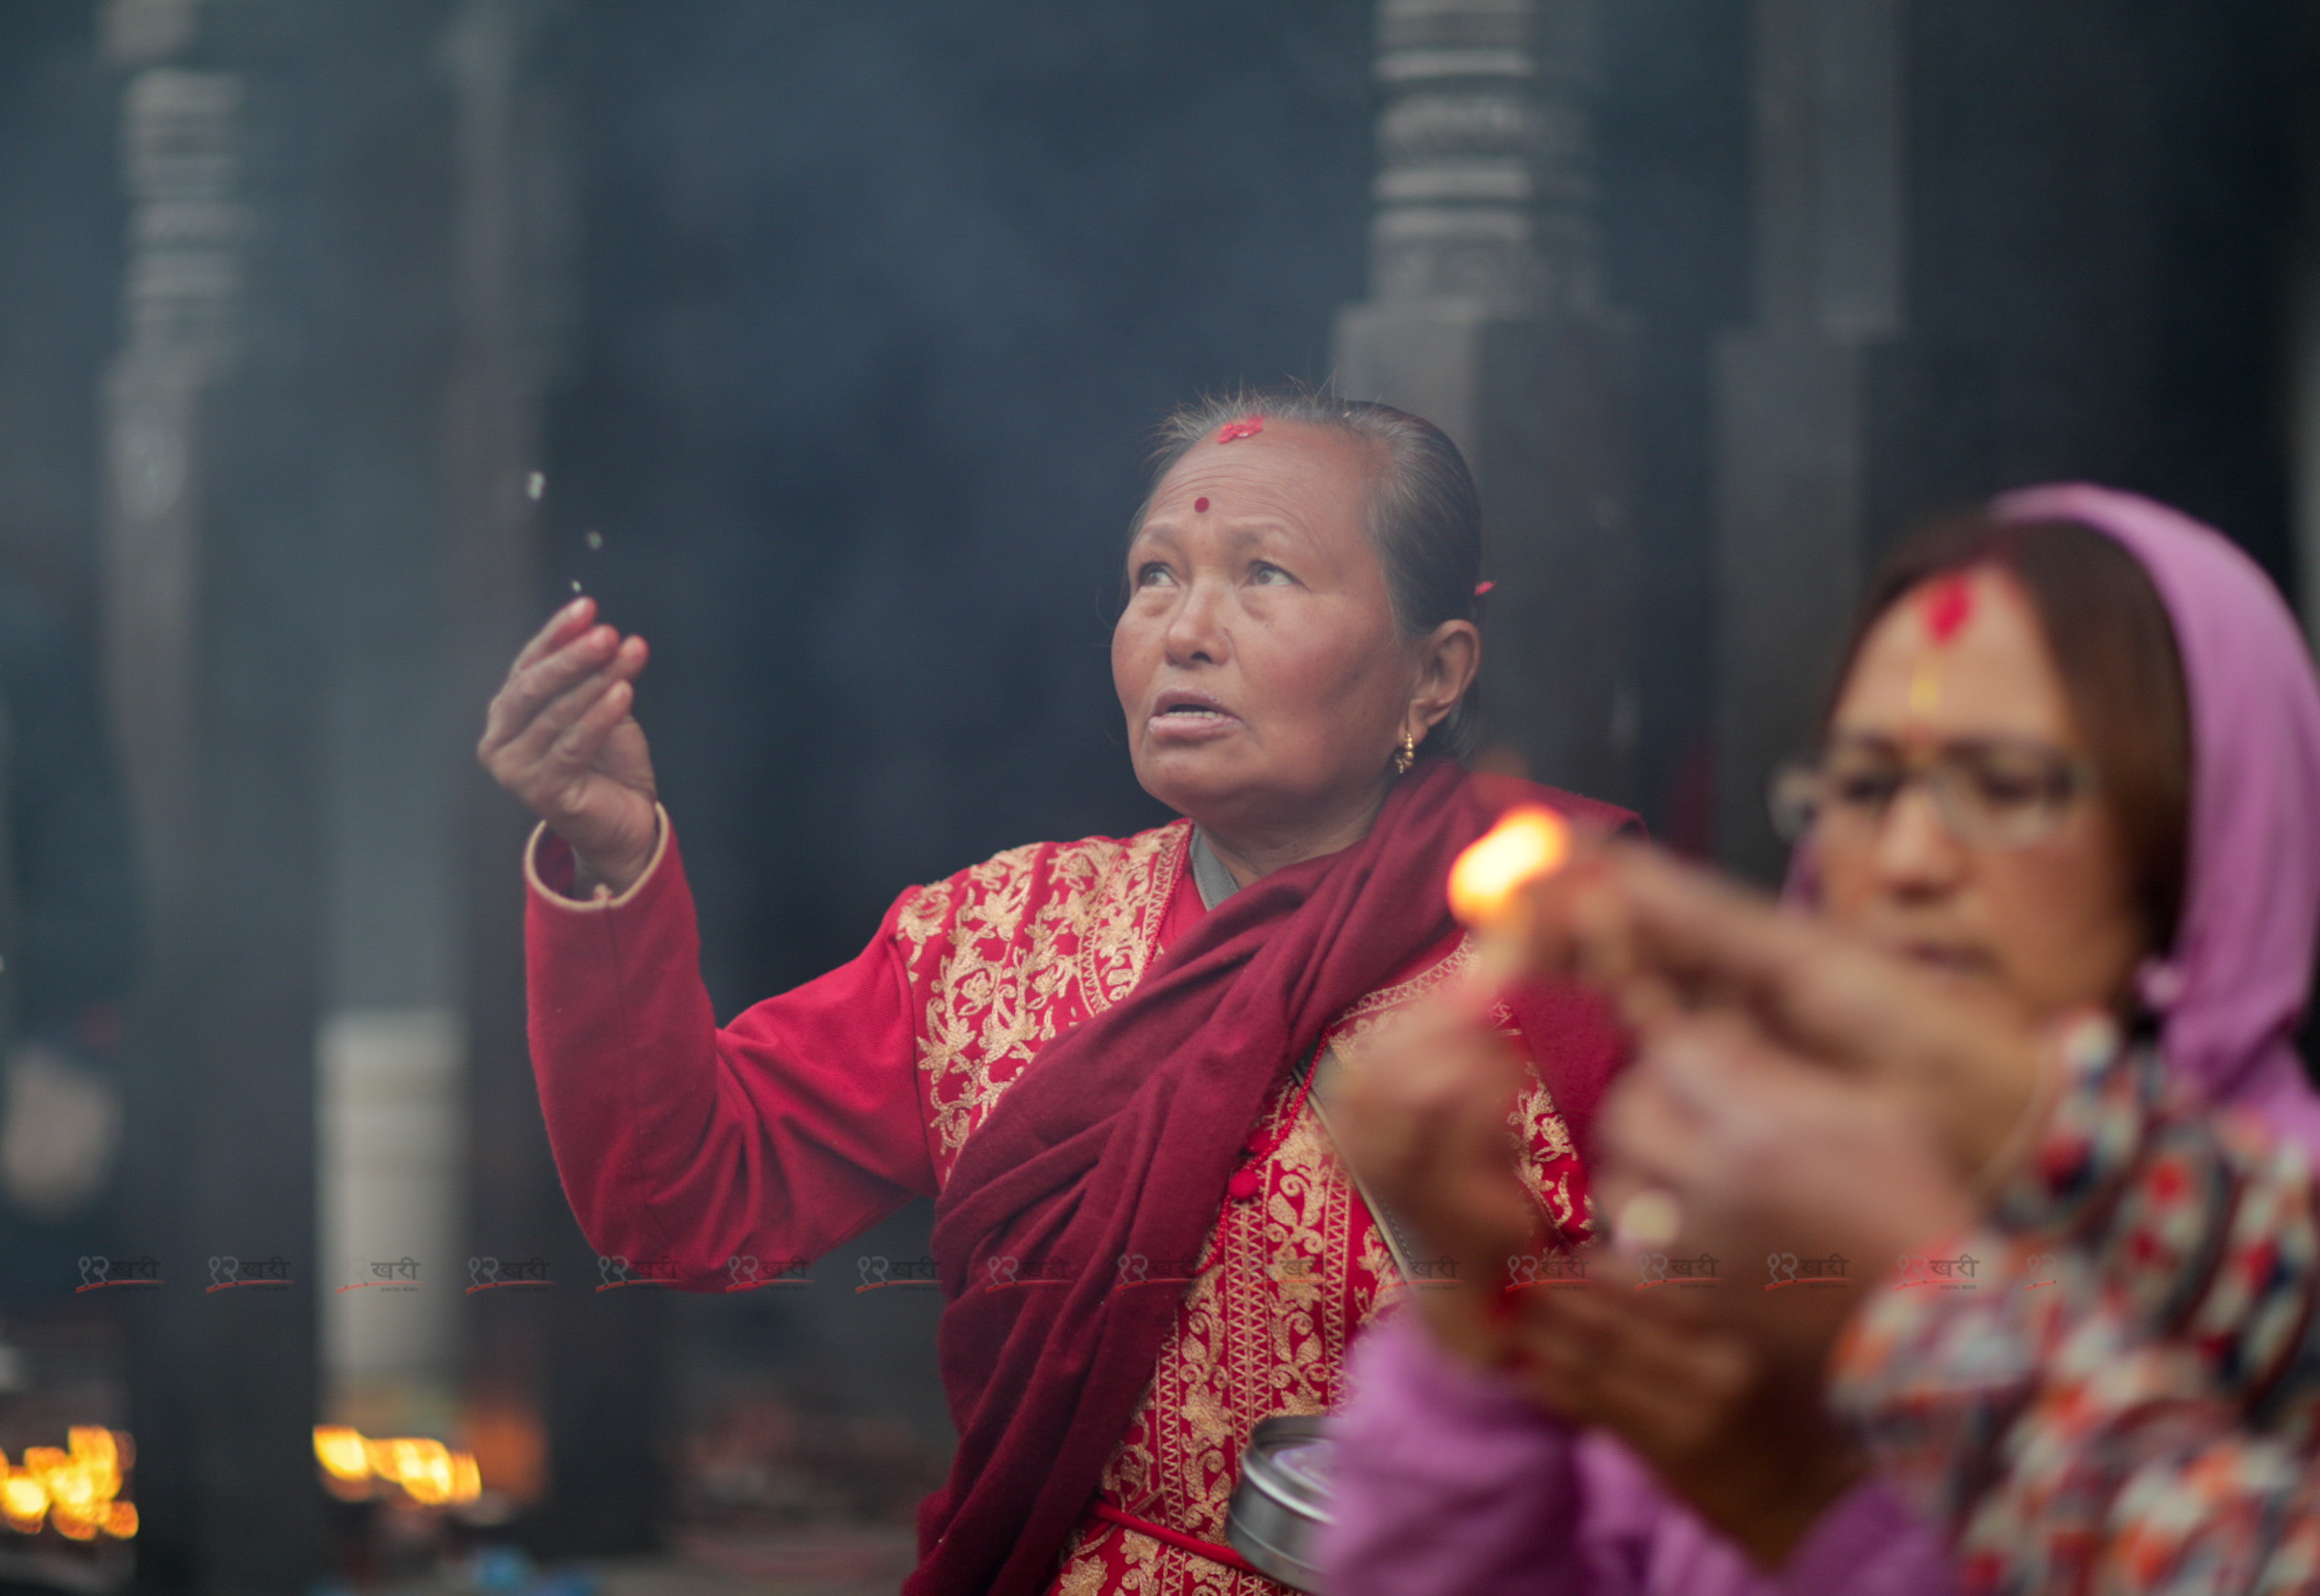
column 1200, row 504
column 1948, row 605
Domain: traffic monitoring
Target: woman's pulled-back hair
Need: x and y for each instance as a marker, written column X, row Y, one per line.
column 2114, row 649
column 1424, row 515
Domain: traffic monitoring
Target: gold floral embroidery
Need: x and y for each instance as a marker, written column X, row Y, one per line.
column 1125, row 915
column 1538, row 1126
column 1008, row 952
column 1119, row 1561
column 1263, row 1329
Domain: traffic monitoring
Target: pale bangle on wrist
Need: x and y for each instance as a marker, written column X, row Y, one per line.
column 585, row 892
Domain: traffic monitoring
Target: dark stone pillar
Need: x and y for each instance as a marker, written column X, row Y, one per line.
column 391, row 1161
column 210, row 568
column 1484, row 317
column 1792, row 391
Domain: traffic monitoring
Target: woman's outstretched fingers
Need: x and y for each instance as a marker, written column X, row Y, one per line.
column 522, row 690
column 543, row 737
column 572, row 731
column 562, row 736
column 536, row 687
column 564, row 626
column 1641, row 928
column 1639, row 913
column 544, row 715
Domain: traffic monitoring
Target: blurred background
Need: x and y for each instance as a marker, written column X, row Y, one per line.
column 341, row 339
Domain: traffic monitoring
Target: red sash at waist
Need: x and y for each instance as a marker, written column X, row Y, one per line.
column 1216, row 1552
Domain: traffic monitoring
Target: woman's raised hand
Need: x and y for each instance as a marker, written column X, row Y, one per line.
column 1422, row 1120
column 561, row 735
column 1668, row 940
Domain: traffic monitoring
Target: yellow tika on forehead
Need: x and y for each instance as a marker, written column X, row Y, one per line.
column 1947, row 605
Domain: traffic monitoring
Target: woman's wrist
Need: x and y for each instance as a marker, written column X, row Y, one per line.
column 594, row 878
column 615, row 878
column 616, row 873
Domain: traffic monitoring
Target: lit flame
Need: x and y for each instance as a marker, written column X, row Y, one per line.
column 70, row 1488
column 1525, row 844
column 25, row 1502
column 427, row 1471
column 340, row 1450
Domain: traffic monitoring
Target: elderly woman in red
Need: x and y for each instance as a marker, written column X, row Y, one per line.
column 1095, row 1055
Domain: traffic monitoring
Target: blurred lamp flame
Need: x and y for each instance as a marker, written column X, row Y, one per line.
column 340, row 1450
column 1526, row 844
column 426, row 1470
column 69, row 1489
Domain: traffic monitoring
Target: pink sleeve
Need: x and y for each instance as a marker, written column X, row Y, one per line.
column 777, row 1137
column 1450, row 1483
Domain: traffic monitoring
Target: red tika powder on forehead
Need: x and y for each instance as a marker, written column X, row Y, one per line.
column 1248, row 426
column 1949, row 604
column 1200, row 504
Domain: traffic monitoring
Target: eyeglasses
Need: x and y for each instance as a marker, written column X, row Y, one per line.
column 1989, row 791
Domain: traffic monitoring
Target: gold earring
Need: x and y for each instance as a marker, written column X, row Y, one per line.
column 1407, row 754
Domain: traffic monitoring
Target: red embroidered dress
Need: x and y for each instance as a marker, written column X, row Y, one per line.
column 818, row 1111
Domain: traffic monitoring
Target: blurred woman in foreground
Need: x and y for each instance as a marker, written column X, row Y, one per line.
column 2071, row 772
column 2123, row 1393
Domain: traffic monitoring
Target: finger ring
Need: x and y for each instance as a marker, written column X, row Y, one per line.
column 1649, row 1221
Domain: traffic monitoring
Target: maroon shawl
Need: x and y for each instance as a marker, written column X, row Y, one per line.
column 1118, row 1139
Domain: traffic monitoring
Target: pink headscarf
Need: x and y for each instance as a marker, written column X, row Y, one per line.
column 2232, row 988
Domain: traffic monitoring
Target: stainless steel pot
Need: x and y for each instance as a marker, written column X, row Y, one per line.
column 1282, row 1502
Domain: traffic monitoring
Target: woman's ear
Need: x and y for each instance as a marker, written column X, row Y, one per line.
column 1450, row 658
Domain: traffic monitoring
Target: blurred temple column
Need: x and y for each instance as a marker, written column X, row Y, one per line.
column 569, row 1370
column 1484, row 316
column 389, row 1099
column 209, row 565
column 1792, row 391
